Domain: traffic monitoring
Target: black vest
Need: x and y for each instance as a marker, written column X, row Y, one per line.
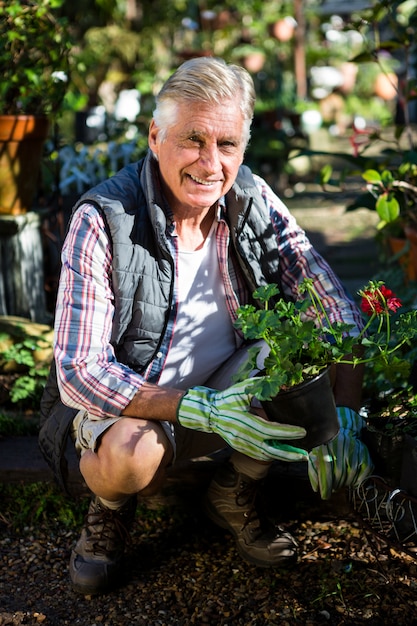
column 143, row 268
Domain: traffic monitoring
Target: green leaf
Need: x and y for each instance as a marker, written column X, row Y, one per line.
column 266, row 292
column 387, row 178
column 326, row 174
column 364, row 57
column 372, row 176
column 387, row 208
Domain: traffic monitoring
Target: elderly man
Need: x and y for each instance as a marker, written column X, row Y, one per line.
column 155, row 263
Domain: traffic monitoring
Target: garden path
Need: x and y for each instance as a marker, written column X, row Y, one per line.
column 345, row 238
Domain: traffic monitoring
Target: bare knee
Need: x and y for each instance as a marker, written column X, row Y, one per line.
column 131, row 458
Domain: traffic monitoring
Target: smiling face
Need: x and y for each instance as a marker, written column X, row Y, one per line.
column 200, row 154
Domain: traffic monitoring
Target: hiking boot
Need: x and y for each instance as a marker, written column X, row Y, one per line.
column 96, row 563
column 230, row 503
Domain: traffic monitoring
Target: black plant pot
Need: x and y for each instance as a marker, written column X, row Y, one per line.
column 386, row 448
column 310, row 405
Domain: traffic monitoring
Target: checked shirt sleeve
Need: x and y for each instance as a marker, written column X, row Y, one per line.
column 89, row 375
column 299, row 259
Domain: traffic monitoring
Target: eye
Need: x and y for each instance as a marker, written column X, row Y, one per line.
column 228, row 145
column 195, row 139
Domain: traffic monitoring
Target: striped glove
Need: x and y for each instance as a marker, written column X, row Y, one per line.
column 227, row 413
column 343, row 462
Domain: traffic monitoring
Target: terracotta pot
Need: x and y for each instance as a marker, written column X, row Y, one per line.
column 21, row 141
column 406, row 258
column 410, row 231
column 310, row 405
column 254, row 62
column 386, row 86
column 283, row 29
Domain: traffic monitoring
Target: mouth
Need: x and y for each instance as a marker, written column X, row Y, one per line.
column 205, row 183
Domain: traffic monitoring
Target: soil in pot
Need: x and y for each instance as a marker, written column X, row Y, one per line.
column 310, row 405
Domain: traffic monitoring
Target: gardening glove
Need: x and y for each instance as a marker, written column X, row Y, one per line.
column 227, row 413
column 344, row 461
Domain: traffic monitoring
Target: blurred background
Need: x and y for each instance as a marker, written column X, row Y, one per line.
column 331, row 78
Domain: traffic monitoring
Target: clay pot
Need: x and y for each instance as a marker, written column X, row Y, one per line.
column 386, row 86
column 410, row 231
column 283, row 30
column 406, row 258
column 254, row 62
column 21, row 142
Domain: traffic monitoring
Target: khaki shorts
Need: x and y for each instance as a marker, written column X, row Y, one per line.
column 186, row 443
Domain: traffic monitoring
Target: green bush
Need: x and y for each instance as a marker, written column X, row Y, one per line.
column 25, row 357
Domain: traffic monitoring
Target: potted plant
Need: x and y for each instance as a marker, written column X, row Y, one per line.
column 304, row 344
column 391, row 425
column 34, row 53
column 390, row 175
column 390, row 403
column 393, row 192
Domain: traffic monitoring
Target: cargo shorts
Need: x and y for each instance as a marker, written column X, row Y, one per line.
column 186, row 443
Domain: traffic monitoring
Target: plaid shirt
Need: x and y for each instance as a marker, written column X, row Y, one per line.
column 90, row 376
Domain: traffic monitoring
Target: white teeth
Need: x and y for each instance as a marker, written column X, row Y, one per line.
column 202, row 182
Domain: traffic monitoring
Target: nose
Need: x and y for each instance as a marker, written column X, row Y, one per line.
column 209, row 158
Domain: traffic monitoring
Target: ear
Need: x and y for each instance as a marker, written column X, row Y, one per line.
column 152, row 137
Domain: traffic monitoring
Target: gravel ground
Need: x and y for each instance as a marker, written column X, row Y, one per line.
column 184, row 570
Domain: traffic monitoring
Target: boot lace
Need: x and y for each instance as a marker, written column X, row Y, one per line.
column 246, row 497
column 107, row 530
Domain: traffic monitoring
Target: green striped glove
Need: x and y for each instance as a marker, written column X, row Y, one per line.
column 343, row 462
column 227, row 414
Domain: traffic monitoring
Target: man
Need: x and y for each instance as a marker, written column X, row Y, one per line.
column 154, row 265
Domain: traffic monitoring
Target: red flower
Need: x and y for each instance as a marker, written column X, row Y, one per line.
column 377, row 301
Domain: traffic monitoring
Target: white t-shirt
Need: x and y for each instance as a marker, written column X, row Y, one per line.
column 203, row 335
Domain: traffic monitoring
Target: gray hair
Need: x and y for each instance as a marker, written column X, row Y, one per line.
column 208, row 80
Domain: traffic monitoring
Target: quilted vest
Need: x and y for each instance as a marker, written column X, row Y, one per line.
column 143, row 268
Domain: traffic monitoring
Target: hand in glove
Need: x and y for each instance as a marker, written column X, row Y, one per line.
column 344, row 461
column 227, row 413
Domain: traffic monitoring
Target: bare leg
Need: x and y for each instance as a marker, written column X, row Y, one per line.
column 131, row 458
